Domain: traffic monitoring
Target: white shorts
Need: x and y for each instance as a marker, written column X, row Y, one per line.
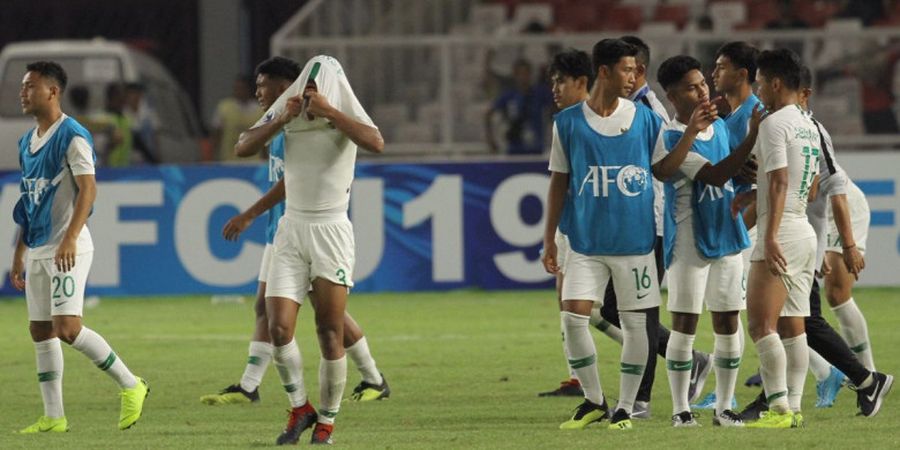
column 695, row 280
column 50, row 292
column 304, row 251
column 634, row 278
column 745, row 258
column 859, row 222
column 265, row 264
column 562, row 250
column 801, row 266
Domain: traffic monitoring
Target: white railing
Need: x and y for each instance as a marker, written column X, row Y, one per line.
column 428, row 92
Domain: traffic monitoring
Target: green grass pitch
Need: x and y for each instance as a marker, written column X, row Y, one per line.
column 465, row 368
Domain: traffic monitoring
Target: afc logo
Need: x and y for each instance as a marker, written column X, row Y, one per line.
column 630, row 180
column 713, row 193
column 276, row 169
column 34, row 188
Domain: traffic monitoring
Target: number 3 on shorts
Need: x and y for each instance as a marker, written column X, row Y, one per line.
column 642, row 281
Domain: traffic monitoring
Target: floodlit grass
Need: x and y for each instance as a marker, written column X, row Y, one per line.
column 465, row 368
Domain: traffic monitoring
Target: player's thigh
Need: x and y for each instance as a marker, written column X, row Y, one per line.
column 329, row 300
column 801, row 262
column 766, row 294
column 635, row 280
column 586, row 279
column 288, row 272
column 331, row 252
column 725, row 284
column 37, row 289
column 67, row 288
column 687, row 277
column 839, row 282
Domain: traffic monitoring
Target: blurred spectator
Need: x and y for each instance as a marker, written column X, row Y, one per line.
column 868, row 11
column 233, row 115
column 524, row 107
column 103, row 130
column 786, row 18
column 144, row 121
column 875, row 69
column 121, row 153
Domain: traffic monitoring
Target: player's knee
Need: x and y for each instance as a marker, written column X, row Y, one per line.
column 67, row 333
column 759, row 330
column 280, row 333
column 330, row 335
column 41, row 331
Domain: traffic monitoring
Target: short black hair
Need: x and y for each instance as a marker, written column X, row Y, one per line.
column 643, row 54
column 608, row 52
column 783, row 64
column 672, row 70
column 50, row 69
column 572, row 63
column 279, row 67
column 742, row 56
column 805, row 77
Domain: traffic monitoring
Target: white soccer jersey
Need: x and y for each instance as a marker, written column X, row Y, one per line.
column 787, row 139
column 80, row 161
column 319, row 159
column 833, row 181
column 648, row 97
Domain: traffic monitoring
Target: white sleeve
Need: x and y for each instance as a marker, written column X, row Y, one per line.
column 80, row 157
column 830, row 183
column 773, row 145
column 558, row 160
column 659, row 151
column 692, row 164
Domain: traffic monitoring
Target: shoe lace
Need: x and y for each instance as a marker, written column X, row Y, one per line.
column 731, row 415
column 293, row 417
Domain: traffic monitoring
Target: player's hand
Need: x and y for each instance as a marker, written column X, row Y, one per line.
column 775, row 259
column 316, row 104
column 703, row 116
column 548, row 257
column 854, row 261
column 235, row 226
column 758, row 114
column 17, row 273
column 741, row 201
column 292, row 108
column 747, row 174
column 65, row 255
column 826, row 268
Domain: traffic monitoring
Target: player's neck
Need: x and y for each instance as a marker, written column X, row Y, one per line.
column 739, row 96
column 603, row 101
column 786, row 98
column 46, row 119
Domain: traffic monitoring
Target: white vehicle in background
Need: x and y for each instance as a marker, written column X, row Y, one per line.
column 95, row 64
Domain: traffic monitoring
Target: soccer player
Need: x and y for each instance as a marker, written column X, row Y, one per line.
column 826, row 346
column 58, row 191
column 313, row 249
column 273, row 77
column 705, row 253
column 601, row 154
column 783, row 260
column 571, row 79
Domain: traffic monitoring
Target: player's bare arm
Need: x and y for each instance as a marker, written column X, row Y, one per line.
column 84, row 201
column 724, row 170
column 368, row 138
column 702, row 117
column 237, row 224
column 853, row 259
column 777, row 194
column 559, row 183
column 17, row 271
column 254, row 140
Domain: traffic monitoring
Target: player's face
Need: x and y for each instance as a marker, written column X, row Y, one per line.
column 622, row 76
column 567, row 91
column 690, row 92
column 36, row 93
column 766, row 90
column 268, row 89
column 725, row 76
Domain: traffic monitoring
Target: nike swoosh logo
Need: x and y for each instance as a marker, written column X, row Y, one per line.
column 871, row 398
column 642, row 296
column 681, row 366
column 58, row 304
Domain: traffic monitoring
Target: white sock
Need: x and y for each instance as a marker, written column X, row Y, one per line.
column 610, row 330
column 855, row 332
column 260, row 355
column 562, row 330
column 635, row 348
column 740, row 333
column 773, row 370
column 290, row 369
column 332, row 379
column 820, row 368
column 582, row 355
column 796, row 352
column 98, row 350
column 727, row 352
column 365, row 364
column 679, row 360
column 50, row 373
